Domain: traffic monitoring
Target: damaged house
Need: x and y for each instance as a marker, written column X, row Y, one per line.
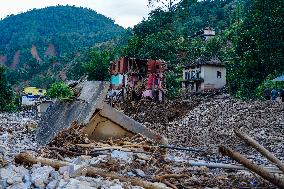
column 138, row 78
column 204, row 74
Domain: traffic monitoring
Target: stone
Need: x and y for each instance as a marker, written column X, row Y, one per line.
column 140, row 173
column 122, row 156
column 39, row 183
column 99, row 159
column 40, row 176
column 62, row 183
column 77, row 170
column 116, row 187
column 54, row 175
column 3, row 183
column 143, row 156
column 18, row 186
column 52, row 185
column 10, row 181
column 63, row 169
column 130, row 174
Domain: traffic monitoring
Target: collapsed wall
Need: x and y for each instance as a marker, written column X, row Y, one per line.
column 99, row 119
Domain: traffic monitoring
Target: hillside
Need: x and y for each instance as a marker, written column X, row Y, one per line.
column 58, row 31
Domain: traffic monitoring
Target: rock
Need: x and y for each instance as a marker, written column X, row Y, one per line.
column 54, row 175
column 122, row 156
column 52, row 185
column 77, row 170
column 39, row 183
column 140, row 173
column 130, row 174
column 3, row 184
column 116, row 187
column 40, row 176
column 18, row 186
column 74, row 183
column 63, row 169
column 99, row 159
column 10, row 181
column 62, row 183
column 143, row 156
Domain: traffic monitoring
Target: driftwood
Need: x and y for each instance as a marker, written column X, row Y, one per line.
column 163, row 179
column 229, row 166
column 169, row 184
column 167, row 176
column 110, row 148
column 94, row 145
column 251, row 166
column 28, row 159
column 260, row 149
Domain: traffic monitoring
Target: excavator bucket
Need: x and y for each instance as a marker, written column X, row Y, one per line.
column 100, row 119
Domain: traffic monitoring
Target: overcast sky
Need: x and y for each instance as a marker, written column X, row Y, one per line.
column 126, row 13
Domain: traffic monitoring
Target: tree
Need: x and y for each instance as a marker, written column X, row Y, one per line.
column 97, row 67
column 60, row 90
column 169, row 5
column 6, row 92
column 257, row 48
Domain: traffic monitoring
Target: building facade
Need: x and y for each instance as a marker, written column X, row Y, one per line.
column 138, row 77
column 205, row 74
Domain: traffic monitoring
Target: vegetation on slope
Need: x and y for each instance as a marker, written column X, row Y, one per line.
column 40, row 42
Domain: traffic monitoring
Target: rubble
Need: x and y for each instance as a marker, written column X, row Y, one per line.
column 15, row 136
column 199, row 123
column 212, row 121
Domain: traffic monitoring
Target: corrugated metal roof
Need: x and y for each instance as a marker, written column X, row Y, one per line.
column 280, row 78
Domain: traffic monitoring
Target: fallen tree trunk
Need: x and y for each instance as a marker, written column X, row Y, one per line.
column 253, row 167
column 28, row 159
column 260, row 149
column 229, row 166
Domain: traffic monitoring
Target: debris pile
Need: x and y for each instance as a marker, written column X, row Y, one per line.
column 17, row 135
column 195, row 126
column 210, row 122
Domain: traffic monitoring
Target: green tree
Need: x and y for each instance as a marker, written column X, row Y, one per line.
column 97, row 68
column 257, row 47
column 6, row 92
column 60, row 90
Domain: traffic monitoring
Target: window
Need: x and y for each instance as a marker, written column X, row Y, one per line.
column 40, row 91
column 197, row 75
column 192, row 74
column 219, row 74
column 118, row 66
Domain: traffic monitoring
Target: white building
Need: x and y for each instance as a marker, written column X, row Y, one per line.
column 205, row 33
column 204, row 74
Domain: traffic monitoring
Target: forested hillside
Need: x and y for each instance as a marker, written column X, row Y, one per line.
column 45, row 39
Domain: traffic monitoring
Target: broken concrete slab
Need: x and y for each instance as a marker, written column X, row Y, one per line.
column 61, row 114
column 100, row 119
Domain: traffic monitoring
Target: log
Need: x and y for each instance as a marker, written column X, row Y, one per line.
column 93, row 145
column 252, row 167
column 110, row 148
column 228, row 166
column 28, row 159
column 167, row 176
column 263, row 151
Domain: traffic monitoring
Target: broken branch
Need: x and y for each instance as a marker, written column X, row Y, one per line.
column 260, row 149
column 251, row 166
column 28, row 159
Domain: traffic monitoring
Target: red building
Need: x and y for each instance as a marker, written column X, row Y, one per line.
column 141, row 77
